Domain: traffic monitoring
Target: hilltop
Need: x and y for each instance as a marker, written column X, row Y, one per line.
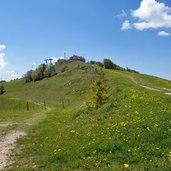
column 130, row 131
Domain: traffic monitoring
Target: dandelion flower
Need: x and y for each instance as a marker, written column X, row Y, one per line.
column 126, row 165
column 94, row 152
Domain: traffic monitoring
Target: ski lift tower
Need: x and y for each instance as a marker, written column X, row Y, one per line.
column 48, row 61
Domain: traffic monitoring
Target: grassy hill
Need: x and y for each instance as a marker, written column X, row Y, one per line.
column 132, row 131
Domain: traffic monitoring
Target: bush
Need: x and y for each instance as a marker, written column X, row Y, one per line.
column 38, row 74
column 108, row 64
column 100, row 64
column 63, row 69
column 91, row 62
column 28, row 76
column 2, row 89
column 50, row 71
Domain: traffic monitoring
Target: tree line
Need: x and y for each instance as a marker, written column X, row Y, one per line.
column 41, row 72
column 45, row 71
column 108, row 64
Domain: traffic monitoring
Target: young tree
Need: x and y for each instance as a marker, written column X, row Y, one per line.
column 99, row 92
column 38, row 74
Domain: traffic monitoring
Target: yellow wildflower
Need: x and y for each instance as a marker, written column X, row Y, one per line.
column 126, row 165
column 72, row 131
column 94, row 152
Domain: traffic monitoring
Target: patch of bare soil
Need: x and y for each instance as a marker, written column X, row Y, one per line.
column 7, row 144
column 169, row 94
column 5, row 124
column 149, row 88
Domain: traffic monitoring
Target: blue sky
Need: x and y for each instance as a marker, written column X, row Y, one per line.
column 134, row 34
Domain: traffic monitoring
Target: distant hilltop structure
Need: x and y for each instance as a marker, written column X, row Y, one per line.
column 72, row 58
column 77, row 58
column 48, row 61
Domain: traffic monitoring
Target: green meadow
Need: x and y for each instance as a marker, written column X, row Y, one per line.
column 131, row 131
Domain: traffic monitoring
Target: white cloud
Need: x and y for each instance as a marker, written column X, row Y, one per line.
column 55, row 59
column 122, row 14
column 163, row 33
column 152, row 15
column 13, row 74
column 126, row 25
column 2, row 47
column 3, row 62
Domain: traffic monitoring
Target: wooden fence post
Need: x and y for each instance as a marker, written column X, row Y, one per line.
column 27, row 106
column 63, row 105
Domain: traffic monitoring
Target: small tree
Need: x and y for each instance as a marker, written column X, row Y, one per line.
column 47, row 72
column 108, row 64
column 50, row 71
column 28, row 76
column 38, row 74
column 99, row 92
column 42, row 69
column 100, row 64
column 2, row 89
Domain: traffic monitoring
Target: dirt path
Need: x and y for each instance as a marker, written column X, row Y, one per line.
column 149, row 88
column 169, row 94
column 5, row 124
column 7, row 143
column 8, row 140
column 159, row 89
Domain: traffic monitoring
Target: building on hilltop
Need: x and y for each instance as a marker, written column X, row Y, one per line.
column 77, row 58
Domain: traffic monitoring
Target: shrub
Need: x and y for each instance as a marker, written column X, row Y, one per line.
column 100, row 64
column 28, row 76
column 38, row 74
column 2, row 89
column 50, row 71
column 108, row 64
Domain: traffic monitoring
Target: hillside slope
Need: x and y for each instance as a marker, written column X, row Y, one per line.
column 130, row 132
